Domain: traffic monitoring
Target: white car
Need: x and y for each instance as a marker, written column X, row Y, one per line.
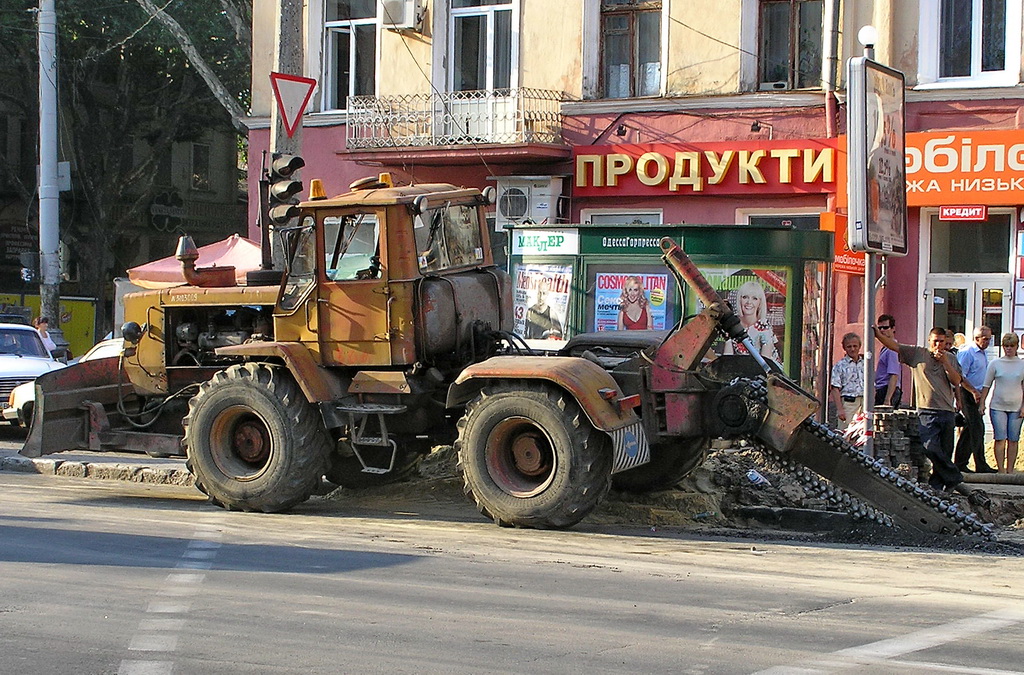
column 21, row 399
column 23, row 358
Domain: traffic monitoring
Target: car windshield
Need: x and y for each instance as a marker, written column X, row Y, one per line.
column 21, row 342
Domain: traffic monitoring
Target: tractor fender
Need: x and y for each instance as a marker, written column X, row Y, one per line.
column 593, row 388
column 317, row 383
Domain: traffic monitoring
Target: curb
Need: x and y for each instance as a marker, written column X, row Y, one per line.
column 97, row 470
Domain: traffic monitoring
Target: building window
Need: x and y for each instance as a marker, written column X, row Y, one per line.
column 350, row 51
column 483, row 53
column 790, row 44
column 970, row 42
column 200, row 167
column 630, row 48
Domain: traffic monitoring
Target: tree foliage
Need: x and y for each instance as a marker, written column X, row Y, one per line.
column 127, row 92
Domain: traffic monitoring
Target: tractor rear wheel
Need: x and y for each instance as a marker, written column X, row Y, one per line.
column 252, row 440
column 670, row 463
column 529, row 457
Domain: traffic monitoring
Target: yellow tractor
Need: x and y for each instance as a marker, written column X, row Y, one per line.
column 389, row 333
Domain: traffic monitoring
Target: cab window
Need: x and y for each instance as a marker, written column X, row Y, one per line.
column 448, row 236
column 352, row 247
column 301, row 263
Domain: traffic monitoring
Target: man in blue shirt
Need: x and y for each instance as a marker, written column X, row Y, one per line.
column 973, row 363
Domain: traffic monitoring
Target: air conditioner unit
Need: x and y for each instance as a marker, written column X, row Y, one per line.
column 774, row 86
column 401, row 14
column 525, row 200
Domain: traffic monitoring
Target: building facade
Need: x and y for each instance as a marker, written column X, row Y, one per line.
column 716, row 112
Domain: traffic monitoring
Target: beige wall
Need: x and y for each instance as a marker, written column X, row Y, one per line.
column 698, row 64
column 263, row 28
column 550, row 50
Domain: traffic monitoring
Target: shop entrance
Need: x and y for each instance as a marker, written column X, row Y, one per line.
column 968, row 280
column 961, row 305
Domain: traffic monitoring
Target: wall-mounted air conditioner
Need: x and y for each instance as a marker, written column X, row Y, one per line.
column 528, row 199
column 401, row 14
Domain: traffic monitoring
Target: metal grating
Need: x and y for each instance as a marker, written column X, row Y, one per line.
column 7, row 384
column 454, row 118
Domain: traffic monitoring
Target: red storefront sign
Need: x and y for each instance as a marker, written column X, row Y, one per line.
column 966, row 212
column 799, row 166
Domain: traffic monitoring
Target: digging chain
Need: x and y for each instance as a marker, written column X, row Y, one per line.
column 841, row 499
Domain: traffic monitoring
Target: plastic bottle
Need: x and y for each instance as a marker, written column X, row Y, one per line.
column 756, row 478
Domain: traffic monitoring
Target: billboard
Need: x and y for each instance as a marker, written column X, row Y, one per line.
column 877, row 171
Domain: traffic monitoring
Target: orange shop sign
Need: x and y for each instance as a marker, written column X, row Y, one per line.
column 845, row 260
column 965, row 168
column 798, row 166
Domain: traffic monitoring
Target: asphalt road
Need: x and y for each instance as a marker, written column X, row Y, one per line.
column 115, row 577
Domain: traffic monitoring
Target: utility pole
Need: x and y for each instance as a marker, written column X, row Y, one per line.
column 289, row 52
column 49, row 189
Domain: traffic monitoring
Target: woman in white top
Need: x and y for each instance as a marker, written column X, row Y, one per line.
column 1004, row 379
column 42, row 326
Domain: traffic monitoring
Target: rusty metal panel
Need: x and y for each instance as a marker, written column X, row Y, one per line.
column 317, row 383
column 788, row 407
column 684, row 414
column 379, row 382
column 580, row 377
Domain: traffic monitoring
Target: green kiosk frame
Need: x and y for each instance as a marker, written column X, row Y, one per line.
column 571, row 279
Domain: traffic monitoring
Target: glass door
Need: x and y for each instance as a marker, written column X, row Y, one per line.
column 963, row 305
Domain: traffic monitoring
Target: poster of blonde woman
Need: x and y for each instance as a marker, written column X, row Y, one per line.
column 759, row 297
column 630, row 301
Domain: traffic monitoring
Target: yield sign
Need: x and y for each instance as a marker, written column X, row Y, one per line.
column 292, row 93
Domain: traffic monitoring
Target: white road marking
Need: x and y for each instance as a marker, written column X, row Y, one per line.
column 146, row 668
column 875, row 653
column 161, row 624
column 160, row 634
column 161, row 607
column 153, row 642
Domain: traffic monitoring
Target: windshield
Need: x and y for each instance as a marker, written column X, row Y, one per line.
column 352, row 247
column 301, row 264
column 448, row 236
column 22, row 343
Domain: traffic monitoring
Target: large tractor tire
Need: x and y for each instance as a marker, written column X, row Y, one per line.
column 529, row 457
column 670, row 463
column 347, row 471
column 252, row 440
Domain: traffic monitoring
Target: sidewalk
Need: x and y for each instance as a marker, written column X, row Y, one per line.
column 134, row 467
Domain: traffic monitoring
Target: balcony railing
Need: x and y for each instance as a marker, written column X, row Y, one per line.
column 455, row 118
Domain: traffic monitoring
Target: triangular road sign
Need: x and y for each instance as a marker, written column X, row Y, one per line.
column 292, row 93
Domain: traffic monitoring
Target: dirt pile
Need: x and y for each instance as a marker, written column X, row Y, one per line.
column 721, row 493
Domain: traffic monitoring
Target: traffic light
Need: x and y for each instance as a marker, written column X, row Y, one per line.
column 283, row 188
column 29, row 266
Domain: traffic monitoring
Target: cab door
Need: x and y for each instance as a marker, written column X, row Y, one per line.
column 353, row 305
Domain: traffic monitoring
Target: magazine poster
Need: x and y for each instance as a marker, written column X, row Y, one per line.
column 628, row 301
column 541, row 304
column 759, row 297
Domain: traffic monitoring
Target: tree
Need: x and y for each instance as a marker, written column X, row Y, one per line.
column 129, row 89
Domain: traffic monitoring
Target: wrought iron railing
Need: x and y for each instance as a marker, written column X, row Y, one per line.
column 454, row 118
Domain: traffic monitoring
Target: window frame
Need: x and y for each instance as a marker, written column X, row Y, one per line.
column 632, row 11
column 488, row 11
column 194, row 182
column 794, row 56
column 331, row 101
column 929, row 39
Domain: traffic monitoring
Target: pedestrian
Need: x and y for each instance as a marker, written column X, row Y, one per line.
column 887, row 373
column 934, row 378
column 848, row 380
column 1004, row 379
column 42, row 326
column 973, row 361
